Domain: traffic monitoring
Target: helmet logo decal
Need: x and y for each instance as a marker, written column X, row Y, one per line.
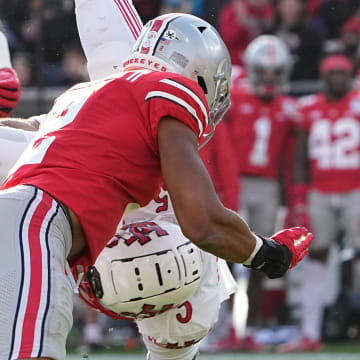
column 148, row 311
column 139, row 232
column 170, row 34
column 152, row 37
column 149, row 42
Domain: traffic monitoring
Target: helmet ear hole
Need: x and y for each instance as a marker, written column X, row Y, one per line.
column 202, row 83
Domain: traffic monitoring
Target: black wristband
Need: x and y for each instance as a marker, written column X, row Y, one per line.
column 272, row 258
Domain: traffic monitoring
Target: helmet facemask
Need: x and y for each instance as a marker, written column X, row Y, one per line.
column 220, row 105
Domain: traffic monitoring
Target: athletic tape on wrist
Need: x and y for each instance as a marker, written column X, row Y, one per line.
column 258, row 245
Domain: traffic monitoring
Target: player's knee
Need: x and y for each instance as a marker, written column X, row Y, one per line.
column 319, row 254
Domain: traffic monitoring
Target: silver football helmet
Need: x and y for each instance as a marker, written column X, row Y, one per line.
column 268, row 53
column 187, row 45
column 147, row 268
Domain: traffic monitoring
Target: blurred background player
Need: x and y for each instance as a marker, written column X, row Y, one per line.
column 328, row 163
column 326, row 192
column 220, row 161
column 260, row 122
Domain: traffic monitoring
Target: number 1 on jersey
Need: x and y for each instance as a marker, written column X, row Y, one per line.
column 259, row 155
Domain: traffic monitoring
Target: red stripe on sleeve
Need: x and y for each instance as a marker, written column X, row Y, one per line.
column 134, row 15
column 131, row 26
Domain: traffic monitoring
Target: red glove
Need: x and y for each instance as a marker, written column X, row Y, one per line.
column 297, row 212
column 9, row 91
column 297, row 239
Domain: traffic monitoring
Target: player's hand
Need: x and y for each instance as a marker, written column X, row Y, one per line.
column 297, row 239
column 9, row 91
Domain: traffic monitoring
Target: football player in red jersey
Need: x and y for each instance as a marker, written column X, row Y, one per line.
column 261, row 122
column 64, row 199
column 9, row 82
column 327, row 184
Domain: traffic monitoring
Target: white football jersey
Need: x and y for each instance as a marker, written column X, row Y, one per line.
column 176, row 326
column 190, row 322
column 159, row 208
column 13, row 142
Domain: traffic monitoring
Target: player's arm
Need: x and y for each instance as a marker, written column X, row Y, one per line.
column 301, row 161
column 30, row 124
column 108, row 30
column 200, row 214
column 298, row 215
column 202, row 217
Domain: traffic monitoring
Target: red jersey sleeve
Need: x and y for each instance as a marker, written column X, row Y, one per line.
column 177, row 97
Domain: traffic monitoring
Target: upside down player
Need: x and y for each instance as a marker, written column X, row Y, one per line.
column 205, row 221
column 327, row 178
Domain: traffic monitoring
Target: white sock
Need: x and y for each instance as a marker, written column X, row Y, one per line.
column 93, row 333
column 313, row 295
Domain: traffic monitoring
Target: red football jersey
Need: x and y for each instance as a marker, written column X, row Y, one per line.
column 97, row 150
column 334, row 141
column 259, row 131
column 219, row 159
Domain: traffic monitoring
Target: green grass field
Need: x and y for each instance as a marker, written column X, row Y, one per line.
column 322, row 356
column 346, row 351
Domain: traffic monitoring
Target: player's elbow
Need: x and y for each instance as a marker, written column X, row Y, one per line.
column 199, row 234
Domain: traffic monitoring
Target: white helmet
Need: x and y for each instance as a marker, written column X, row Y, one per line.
column 145, row 270
column 268, row 52
column 187, row 45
